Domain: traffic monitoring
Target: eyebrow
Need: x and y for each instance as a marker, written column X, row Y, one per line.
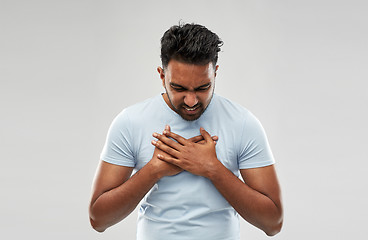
column 179, row 86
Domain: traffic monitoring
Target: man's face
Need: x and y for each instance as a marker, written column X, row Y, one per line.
column 189, row 87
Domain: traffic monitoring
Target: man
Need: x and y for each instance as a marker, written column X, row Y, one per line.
column 187, row 181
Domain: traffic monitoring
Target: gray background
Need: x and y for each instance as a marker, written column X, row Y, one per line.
column 67, row 68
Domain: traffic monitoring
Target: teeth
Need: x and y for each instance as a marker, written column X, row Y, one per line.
column 191, row 109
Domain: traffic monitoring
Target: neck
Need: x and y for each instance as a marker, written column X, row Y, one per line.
column 167, row 100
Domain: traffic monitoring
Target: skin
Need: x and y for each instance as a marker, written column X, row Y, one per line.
column 189, row 89
column 188, row 86
column 115, row 194
column 257, row 199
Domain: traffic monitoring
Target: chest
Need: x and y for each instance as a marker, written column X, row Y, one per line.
column 226, row 147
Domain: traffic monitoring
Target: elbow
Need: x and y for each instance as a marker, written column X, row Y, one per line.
column 275, row 225
column 95, row 221
column 273, row 230
column 97, row 226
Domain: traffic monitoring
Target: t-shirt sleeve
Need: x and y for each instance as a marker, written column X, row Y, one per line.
column 254, row 147
column 118, row 146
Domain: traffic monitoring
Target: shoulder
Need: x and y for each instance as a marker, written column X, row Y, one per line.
column 232, row 109
column 139, row 110
column 236, row 117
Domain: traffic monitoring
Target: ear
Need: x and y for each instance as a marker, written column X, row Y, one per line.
column 216, row 68
column 162, row 75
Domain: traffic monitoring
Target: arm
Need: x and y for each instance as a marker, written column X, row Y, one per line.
column 108, row 177
column 258, row 200
column 115, row 195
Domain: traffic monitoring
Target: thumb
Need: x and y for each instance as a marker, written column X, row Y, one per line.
column 207, row 137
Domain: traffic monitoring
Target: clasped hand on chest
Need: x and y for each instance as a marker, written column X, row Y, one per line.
column 196, row 155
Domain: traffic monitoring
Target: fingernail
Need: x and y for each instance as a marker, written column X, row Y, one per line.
column 165, row 132
column 153, row 142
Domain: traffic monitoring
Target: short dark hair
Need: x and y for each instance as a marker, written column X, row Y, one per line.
column 190, row 43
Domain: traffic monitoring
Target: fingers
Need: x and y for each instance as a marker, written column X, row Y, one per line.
column 196, row 139
column 163, row 147
column 205, row 134
column 169, row 159
column 176, row 137
column 200, row 138
column 204, row 142
column 167, row 141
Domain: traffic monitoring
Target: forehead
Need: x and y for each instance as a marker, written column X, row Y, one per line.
column 189, row 75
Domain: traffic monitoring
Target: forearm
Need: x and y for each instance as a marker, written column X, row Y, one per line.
column 255, row 207
column 116, row 204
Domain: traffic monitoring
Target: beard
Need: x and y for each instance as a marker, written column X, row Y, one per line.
column 184, row 114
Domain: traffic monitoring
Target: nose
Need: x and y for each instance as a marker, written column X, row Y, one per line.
column 190, row 99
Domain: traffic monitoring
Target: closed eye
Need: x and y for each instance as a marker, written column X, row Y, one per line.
column 202, row 88
column 178, row 89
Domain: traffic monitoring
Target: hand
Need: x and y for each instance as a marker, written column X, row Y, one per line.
column 165, row 168
column 199, row 139
column 198, row 157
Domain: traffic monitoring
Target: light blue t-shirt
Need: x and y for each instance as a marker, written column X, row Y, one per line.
column 187, row 206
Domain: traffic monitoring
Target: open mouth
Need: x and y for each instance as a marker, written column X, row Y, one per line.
column 191, row 110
